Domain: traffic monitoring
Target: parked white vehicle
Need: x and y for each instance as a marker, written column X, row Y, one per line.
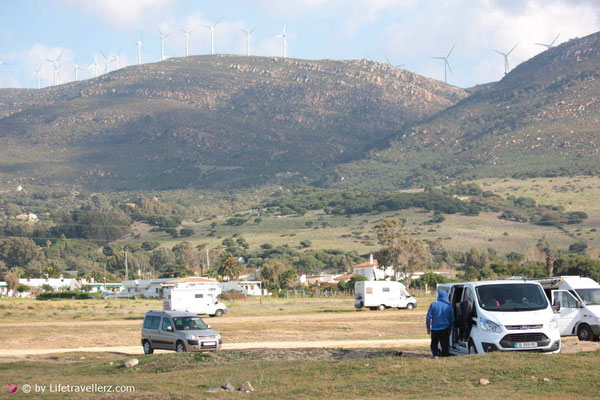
column 576, row 303
column 197, row 300
column 503, row 315
column 379, row 295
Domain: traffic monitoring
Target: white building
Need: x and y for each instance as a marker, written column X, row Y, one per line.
column 373, row 271
column 58, row 284
column 149, row 288
column 249, row 288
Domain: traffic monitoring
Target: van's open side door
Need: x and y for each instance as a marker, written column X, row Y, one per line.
column 569, row 312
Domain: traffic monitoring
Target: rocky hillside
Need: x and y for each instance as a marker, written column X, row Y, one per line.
column 209, row 121
column 542, row 119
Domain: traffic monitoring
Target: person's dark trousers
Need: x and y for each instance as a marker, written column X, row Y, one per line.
column 442, row 337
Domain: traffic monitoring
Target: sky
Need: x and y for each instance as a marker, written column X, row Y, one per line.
column 407, row 32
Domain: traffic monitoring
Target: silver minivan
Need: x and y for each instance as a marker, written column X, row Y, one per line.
column 177, row 330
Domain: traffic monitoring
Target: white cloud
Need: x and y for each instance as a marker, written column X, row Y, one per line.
column 479, row 27
column 125, row 14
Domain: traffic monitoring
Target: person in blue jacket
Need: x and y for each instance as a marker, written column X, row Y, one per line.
column 439, row 321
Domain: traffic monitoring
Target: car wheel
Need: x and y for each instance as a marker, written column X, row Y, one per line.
column 410, row 306
column 472, row 348
column 585, row 333
column 381, row 307
column 180, row 347
column 219, row 313
column 148, row 347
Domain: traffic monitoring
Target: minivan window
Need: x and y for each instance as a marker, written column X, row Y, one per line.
column 152, row 322
column 511, row 297
column 189, row 323
column 590, row 297
column 166, row 322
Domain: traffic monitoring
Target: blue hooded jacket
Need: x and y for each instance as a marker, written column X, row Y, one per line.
column 440, row 314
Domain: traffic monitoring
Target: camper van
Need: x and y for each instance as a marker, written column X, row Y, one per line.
column 379, row 295
column 503, row 315
column 197, row 300
column 576, row 304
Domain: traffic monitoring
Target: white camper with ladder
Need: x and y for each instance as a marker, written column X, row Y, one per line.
column 195, row 295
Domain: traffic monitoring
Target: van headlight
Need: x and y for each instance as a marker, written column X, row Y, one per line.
column 553, row 323
column 490, row 326
column 190, row 337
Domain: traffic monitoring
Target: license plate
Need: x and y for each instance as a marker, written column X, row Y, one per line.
column 209, row 343
column 525, row 345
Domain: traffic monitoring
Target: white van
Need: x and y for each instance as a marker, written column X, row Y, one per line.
column 197, row 300
column 503, row 315
column 576, row 302
column 379, row 295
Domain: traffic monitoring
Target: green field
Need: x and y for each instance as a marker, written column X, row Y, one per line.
column 457, row 233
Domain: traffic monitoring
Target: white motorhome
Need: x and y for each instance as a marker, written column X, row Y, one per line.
column 576, row 303
column 379, row 295
column 503, row 315
column 200, row 299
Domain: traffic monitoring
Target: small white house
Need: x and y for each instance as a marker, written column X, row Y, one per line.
column 248, row 288
column 373, row 271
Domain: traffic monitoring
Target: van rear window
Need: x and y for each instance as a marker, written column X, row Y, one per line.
column 369, row 290
column 152, row 322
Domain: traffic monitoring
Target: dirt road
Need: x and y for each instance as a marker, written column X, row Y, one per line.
column 230, row 346
column 325, row 316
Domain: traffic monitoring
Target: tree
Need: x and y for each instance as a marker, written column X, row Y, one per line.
column 288, row 279
column 270, row 273
column 162, row 258
column 19, row 252
column 12, row 279
column 405, row 254
column 230, row 267
column 186, row 232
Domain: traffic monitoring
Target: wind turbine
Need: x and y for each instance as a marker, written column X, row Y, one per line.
column 95, row 65
column 38, row 72
column 77, row 68
column 389, row 62
column 116, row 58
column 283, row 37
column 106, row 63
column 56, row 67
column 446, row 64
column 505, row 55
column 162, row 43
column 248, row 33
column 139, row 46
column 548, row 46
column 187, row 34
column 4, row 63
column 212, row 36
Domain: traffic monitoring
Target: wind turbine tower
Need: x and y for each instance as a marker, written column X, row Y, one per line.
column 38, row 72
column 446, row 64
column 77, row 68
column 505, row 55
column 95, row 65
column 212, row 36
column 139, row 46
column 551, row 44
column 283, row 38
column 107, row 62
column 187, row 34
column 162, row 43
column 248, row 33
column 116, row 59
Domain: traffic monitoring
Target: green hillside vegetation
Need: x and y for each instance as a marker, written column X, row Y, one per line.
column 540, row 120
column 209, row 121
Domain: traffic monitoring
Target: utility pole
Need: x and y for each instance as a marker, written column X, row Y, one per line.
column 126, row 269
column 207, row 260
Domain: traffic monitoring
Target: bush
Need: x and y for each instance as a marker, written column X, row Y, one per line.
column 69, row 294
column 186, row 232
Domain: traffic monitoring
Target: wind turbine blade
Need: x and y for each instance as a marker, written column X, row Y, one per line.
column 159, row 31
column 387, row 59
column 279, row 36
column 283, row 32
column 245, row 31
column 252, row 30
column 451, row 50
column 60, row 56
column 554, row 41
column 499, row 52
column 448, row 64
column 439, row 58
column 541, row 44
column 511, row 50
